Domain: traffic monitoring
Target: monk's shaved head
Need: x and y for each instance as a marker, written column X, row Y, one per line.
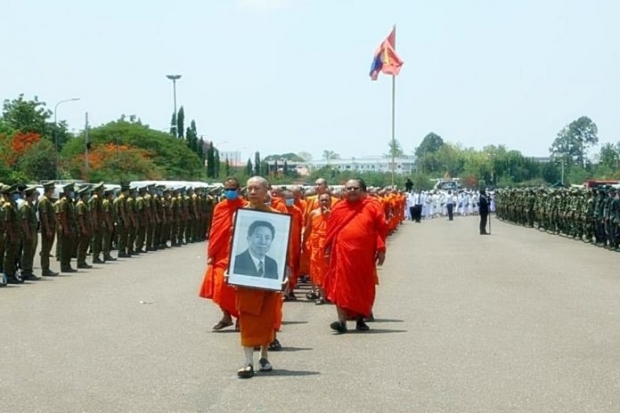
column 257, row 190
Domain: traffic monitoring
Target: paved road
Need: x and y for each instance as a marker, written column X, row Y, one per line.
column 520, row 321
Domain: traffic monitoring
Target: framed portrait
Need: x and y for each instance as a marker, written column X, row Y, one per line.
column 259, row 249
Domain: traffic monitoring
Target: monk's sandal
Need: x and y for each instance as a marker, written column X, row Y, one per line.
column 265, row 365
column 246, row 372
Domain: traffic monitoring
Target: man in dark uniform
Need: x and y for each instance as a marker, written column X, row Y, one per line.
column 95, row 205
column 28, row 232
column 47, row 218
column 11, row 235
column 483, row 205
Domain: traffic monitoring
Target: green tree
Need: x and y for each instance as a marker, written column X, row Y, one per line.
column 36, row 163
column 181, row 123
column 200, row 150
column 286, row 156
column 210, row 160
column 305, row 156
column 609, row 156
column 216, row 163
column 249, row 168
column 173, row 125
column 573, row 141
column 395, row 148
column 330, row 155
column 430, row 144
column 227, row 167
column 257, row 163
column 173, row 157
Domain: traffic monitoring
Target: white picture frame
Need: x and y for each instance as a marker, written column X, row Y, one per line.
column 260, row 242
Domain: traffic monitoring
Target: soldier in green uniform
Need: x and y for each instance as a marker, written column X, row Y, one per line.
column 47, row 218
column 65, row 212
column 95, row 205
column 107, row 224
column 141, row 219
column 122, row 221
column 166, row 218
column 28, row 233
column 84, row 226
column 2, row 244
column 150, row 212
column 175, row 218
column 11, row 234
column 156, row 214
column 133, row 222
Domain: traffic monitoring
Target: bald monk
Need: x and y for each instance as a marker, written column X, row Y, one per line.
column 314, row 239
column 213, row 285
column 274, row 200
column 354, row 245
column 295, row 242
column 312, row 202
column 257, row 308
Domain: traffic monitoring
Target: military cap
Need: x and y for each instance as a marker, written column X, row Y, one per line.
column 83, row 191
column 107, row 192
column 612, row 189
column 8, row 189
column 98, row 186
column 30, row 189
column 67, row 187
column 49, row 185
column 125, row 187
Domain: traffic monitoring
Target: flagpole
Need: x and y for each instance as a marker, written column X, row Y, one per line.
column 393, row 145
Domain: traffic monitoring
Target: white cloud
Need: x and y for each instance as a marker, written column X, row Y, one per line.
column 263, row 4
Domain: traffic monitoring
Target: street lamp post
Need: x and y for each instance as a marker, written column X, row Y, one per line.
column 174, row 79
column 56, row 129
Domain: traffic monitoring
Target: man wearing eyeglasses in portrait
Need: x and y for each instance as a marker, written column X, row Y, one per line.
column 254, row 261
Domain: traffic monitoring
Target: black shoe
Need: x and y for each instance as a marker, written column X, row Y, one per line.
column 246, row 372
column 339, row 326
column 109, row 258
column 360, row 325
column 49, row 273
column 68, row 269
column 30, row 277
column 14, row 279
column 84, row 266
column 98, row 261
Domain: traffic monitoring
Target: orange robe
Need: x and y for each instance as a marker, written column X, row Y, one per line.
column 260, row 311
column 304, row 259
column 295, row 244
column 311, row 203
column 279, row 205
column 355, row 233
column 213, row 285
column 316, row 245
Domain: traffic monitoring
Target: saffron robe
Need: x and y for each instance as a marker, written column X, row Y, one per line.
column 218, row 249
column 316, row 245
column 356, row 231
column 260, row 311
column 295, row 244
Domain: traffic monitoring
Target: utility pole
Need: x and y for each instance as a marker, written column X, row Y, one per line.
column 174, row 79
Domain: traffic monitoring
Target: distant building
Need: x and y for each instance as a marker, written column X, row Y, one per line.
column 403, row 166
column 542, row 159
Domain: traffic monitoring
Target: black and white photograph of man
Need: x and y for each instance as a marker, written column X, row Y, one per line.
column 254, row 261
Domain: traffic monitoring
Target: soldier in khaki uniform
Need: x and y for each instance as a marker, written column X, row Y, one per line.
column 122, row 221
column 2, row 280
column 84, row 226
column 95, row 204
column 149, row 209
column 47, row 218
column 107, row 224
column 142, row 220
column 133, row 223
column 28, row 233
column 11, row 234
column 65, row 212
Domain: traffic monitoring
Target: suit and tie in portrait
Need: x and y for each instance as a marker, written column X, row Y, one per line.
column 254, row 261
column 245, row 264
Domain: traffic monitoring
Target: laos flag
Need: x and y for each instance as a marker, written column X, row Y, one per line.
column 386, row 60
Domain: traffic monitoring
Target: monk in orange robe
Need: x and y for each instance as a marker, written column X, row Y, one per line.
column 295, row 242
column 354, row 245
column 257, row 308
column 213, row 285
column 314, row 239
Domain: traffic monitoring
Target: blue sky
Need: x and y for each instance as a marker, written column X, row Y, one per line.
column 292, row 75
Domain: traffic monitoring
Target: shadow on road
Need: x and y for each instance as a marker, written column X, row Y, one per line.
column 377, row 331
column 286, row 323
column 293, row 349
column 386, row 320
column 289, row 373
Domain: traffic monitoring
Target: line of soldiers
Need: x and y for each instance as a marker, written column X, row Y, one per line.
column 135, row 220
column 591, row 215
